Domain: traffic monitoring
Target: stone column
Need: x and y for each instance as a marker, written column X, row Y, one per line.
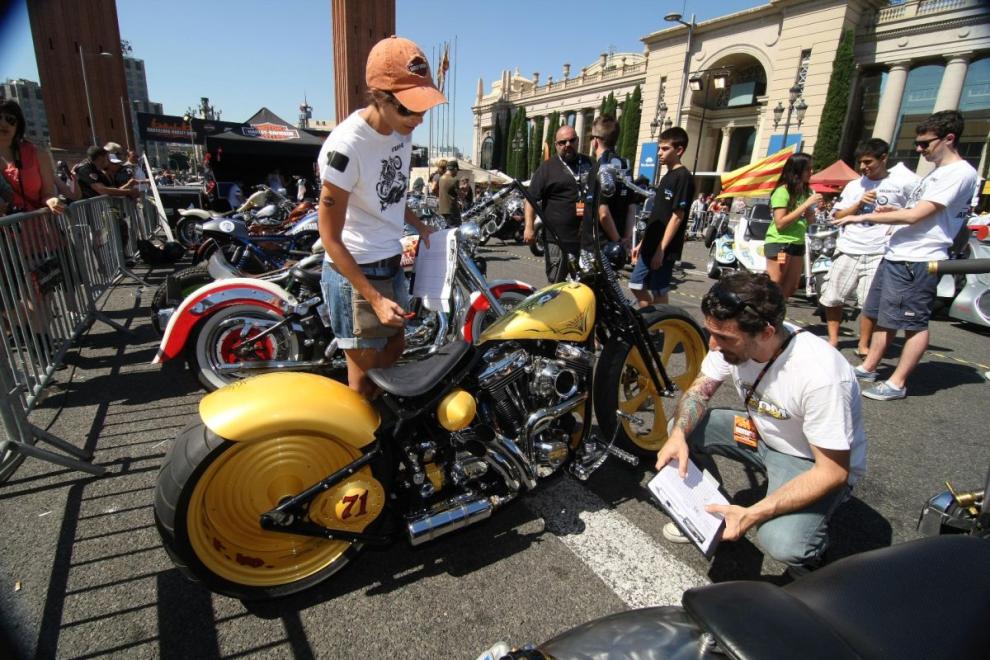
column 579, row 128
column 723, row 150
column 950, row 89
column 546, row 129
column 890, row 102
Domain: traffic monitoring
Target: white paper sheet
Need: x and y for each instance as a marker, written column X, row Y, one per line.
column 684, row 501
column 435, row 266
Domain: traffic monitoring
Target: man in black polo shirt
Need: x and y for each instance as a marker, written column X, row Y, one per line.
column 563, row 187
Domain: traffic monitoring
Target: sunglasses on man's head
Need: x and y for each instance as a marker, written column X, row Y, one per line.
column 10, row 119
column 923, row 144
column 561, row 143
column 403, row 110
column 733, row 303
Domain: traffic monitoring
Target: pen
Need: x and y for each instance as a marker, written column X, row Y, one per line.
column 688, row 524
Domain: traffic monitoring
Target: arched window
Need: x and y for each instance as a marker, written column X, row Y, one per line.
column 974, row 104
column 916, row 104
column 487, row 150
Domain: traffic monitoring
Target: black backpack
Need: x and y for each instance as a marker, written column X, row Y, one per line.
column 157, row 253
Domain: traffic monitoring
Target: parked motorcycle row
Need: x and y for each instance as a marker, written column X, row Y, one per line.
column 288, row 473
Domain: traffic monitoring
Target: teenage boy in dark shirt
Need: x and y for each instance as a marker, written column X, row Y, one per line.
column 655, row 255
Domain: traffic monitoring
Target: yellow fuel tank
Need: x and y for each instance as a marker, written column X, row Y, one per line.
column 560, row 312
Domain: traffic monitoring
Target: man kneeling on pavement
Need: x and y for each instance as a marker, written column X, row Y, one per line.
column 802, row 425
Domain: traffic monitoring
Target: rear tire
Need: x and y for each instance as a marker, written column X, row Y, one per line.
column 539, row 246
column 211, row 492
column 623, row 382
column 217, row 337
column 189, row 280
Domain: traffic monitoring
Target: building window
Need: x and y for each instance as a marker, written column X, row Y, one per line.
column 974, row 104
column 802, row 74
column 917, row 103
column 487, row 151
column 869, row 92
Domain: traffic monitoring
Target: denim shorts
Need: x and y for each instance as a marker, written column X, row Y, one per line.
column 901, row 295
column 771, row 250
column 338, row 293
column 658, row 281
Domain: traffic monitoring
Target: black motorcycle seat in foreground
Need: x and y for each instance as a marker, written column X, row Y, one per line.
column 416, row 378
column 928, row 599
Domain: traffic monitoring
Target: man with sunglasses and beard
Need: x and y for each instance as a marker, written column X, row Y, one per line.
column 903, row 290
column 563, row 186
column 801, row 426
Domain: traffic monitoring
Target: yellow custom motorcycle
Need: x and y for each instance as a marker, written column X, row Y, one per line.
column 287, row 475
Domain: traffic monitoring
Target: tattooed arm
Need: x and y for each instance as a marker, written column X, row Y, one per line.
column 690, row 410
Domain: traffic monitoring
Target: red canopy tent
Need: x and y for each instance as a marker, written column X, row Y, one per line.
column 833, row 178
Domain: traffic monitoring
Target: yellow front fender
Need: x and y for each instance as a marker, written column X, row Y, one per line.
column 275, row 404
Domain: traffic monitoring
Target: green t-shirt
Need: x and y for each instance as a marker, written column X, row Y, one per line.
column 794, row 233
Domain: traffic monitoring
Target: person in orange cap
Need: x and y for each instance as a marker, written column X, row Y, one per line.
column 364, row 167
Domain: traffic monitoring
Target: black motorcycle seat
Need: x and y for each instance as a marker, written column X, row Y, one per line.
column 928, row 598
column 307, row 278
column 416, row 378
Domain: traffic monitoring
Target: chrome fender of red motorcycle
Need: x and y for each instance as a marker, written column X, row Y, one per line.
column 478, row 304
column 212, row 298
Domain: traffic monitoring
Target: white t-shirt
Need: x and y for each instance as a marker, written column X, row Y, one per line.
column 951, row 186
column 809, row 396
column 374, row 169
column 893, row 190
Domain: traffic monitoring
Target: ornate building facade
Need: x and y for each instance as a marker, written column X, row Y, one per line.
column 748, row 83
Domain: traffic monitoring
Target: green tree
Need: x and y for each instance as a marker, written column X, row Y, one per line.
column 609, row 105
column 535, row 146
column 836, row 103
column 554, row 124
column 518, row 156
column 508, row 159
column 632, row 111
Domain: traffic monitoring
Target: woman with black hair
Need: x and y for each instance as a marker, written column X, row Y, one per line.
column 27, row 168
column 793, row 203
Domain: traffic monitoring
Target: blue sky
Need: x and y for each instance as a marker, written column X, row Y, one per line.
column 252, row 53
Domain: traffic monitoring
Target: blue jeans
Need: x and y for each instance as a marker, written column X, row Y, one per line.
column 338, row 294
column 798, row 538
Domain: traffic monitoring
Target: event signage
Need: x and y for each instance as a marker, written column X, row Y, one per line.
column 648, row 160
column 270, row 131
column 172, row 128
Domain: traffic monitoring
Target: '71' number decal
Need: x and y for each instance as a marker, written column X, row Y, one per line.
column 349, row 502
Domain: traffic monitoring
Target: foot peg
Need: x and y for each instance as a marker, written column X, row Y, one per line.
column 594, row 453
column 623, row 455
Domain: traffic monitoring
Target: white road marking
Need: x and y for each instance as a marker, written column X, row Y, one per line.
column 634, row 566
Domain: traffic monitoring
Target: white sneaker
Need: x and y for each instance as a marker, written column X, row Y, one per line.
column 673, row 534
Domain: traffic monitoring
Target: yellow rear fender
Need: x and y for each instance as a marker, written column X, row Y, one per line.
column 276, row 404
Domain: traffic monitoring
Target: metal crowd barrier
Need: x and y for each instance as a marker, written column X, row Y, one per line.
column 54, row 270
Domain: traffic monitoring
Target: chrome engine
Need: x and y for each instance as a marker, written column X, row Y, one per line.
column 522, row 433
column 530, row 392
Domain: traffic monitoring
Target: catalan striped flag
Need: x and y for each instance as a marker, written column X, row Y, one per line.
column 756, row 179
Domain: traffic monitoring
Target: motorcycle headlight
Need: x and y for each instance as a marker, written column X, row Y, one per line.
column 470, row 233
column 816, row 244
column 830, row 243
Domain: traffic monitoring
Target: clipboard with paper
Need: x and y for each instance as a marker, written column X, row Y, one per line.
column 433, row 281
column 684, row 500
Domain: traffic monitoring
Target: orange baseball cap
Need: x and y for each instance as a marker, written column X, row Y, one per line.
column 398, row 66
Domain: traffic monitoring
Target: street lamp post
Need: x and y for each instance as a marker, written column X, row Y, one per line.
column 89, row 103
column 705, row 80
column 192, row 141
column 517, row 145
column 794, row 103
column 674, row 17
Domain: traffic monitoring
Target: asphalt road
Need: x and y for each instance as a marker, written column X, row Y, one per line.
column 83, row 573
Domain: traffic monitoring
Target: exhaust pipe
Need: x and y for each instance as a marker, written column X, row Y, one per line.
column 447, row 517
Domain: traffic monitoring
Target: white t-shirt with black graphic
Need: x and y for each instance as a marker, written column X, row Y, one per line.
column 893, row 190
column 950, row 186
column 374, row 169
column 809, row 396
